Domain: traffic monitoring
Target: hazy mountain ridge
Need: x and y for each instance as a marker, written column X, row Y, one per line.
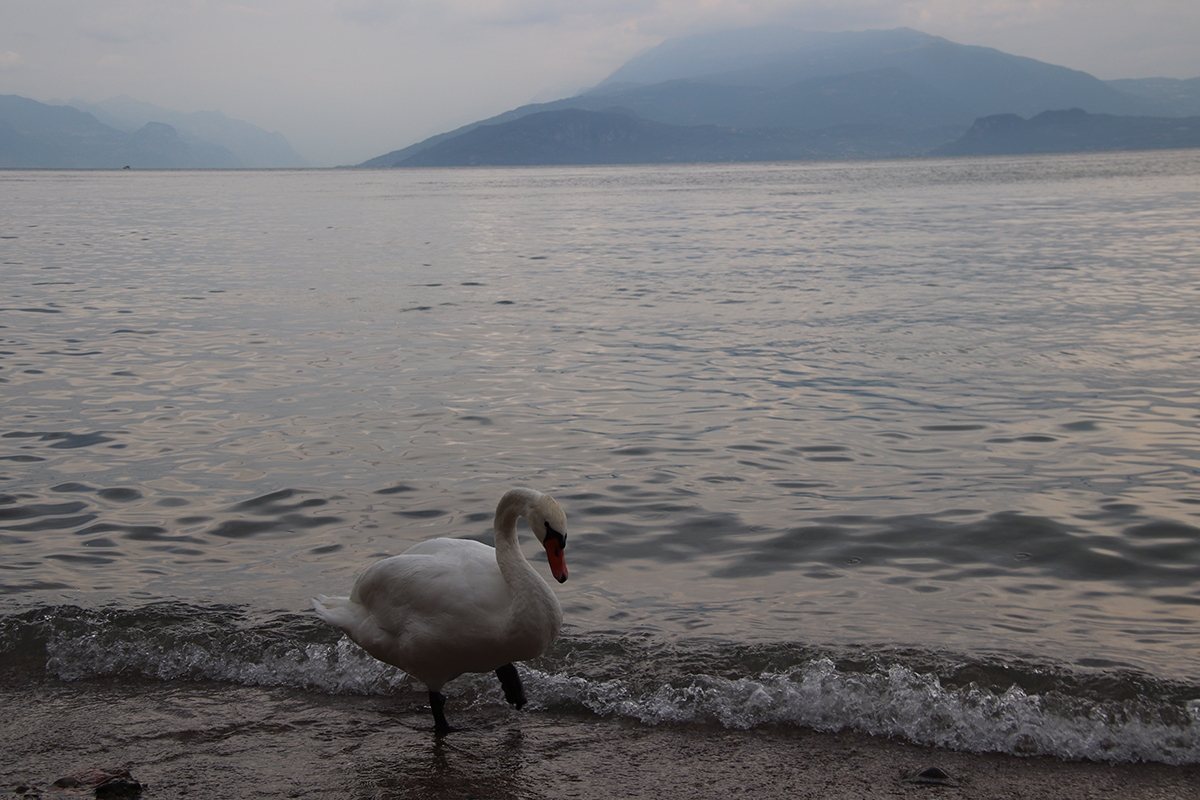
column 39, row 136
column 763, row 81
column 575, row 136
column 884, row 96
column 255, row 147
column 982, row 79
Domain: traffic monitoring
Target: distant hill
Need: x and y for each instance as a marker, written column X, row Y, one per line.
column 886, row 93
column 884, row 96
column 253, row 146
column 577, row 136
column 36, row 135
column 981, row 79
column 1072, row 131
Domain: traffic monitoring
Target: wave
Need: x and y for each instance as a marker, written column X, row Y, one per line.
column 940, row 699
column 900, row 702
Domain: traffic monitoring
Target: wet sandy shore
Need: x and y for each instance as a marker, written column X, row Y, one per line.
column 205, row 740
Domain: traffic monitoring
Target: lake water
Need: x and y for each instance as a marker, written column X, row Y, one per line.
column 910, row 447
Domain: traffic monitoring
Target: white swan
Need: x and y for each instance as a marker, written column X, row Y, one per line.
column 450, row 606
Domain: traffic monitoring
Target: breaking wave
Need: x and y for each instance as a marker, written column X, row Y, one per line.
column 926, row 698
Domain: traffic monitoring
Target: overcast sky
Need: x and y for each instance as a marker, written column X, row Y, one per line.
column 346, row 80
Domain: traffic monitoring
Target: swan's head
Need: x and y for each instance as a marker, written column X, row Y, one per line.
column 549, row 524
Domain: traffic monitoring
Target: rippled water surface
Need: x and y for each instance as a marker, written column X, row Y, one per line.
column 923, row 406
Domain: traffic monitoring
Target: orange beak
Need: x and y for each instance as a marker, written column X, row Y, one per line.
column 554, row 554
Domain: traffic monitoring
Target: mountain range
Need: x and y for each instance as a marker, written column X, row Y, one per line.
column 779, row 93
column 254, row 147
column 753, row 94
column 576, row 136
column 124, row 132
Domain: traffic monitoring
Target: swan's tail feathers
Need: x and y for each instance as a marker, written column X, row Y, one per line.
column 341, row 612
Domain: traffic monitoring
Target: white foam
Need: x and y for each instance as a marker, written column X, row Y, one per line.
column 340, row 668
column 897, row 702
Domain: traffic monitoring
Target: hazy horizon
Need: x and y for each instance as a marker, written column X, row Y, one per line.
column 350, row 80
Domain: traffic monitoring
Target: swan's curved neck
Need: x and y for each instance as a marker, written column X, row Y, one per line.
column 512, row 563
column 531, row 595
column 513, row 504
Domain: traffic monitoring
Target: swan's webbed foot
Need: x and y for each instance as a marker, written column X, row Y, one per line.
column 437, row 703
column 511, row 682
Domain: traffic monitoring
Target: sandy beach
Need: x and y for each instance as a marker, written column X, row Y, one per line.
column 218, row 740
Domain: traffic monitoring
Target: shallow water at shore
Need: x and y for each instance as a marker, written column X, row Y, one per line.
column 217, row 740
column 828, row 435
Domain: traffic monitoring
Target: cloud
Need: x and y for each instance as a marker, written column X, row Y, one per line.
column 114, row 61
column 126, row 21
column 371, row 13
column 10, row 60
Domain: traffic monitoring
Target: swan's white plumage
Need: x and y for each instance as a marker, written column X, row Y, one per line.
column 450, row 606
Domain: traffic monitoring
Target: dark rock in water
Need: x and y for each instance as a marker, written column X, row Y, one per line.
column 108, row 783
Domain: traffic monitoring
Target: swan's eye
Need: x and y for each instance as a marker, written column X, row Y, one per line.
column 553, row 534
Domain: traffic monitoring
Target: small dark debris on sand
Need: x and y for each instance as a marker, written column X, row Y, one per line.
column 931, row 776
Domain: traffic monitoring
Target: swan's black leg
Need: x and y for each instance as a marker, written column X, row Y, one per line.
column 437, row 702
column 511, row 682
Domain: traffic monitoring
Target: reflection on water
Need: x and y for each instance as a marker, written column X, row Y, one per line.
column 449, row 767
column 942, row 403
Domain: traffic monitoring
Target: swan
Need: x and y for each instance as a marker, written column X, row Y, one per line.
column 446, row 607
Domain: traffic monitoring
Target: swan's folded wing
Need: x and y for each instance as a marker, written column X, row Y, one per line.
column 455, row 548
column 450, row 588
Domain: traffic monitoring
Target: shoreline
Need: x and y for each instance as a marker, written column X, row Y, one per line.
column 203, row 739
